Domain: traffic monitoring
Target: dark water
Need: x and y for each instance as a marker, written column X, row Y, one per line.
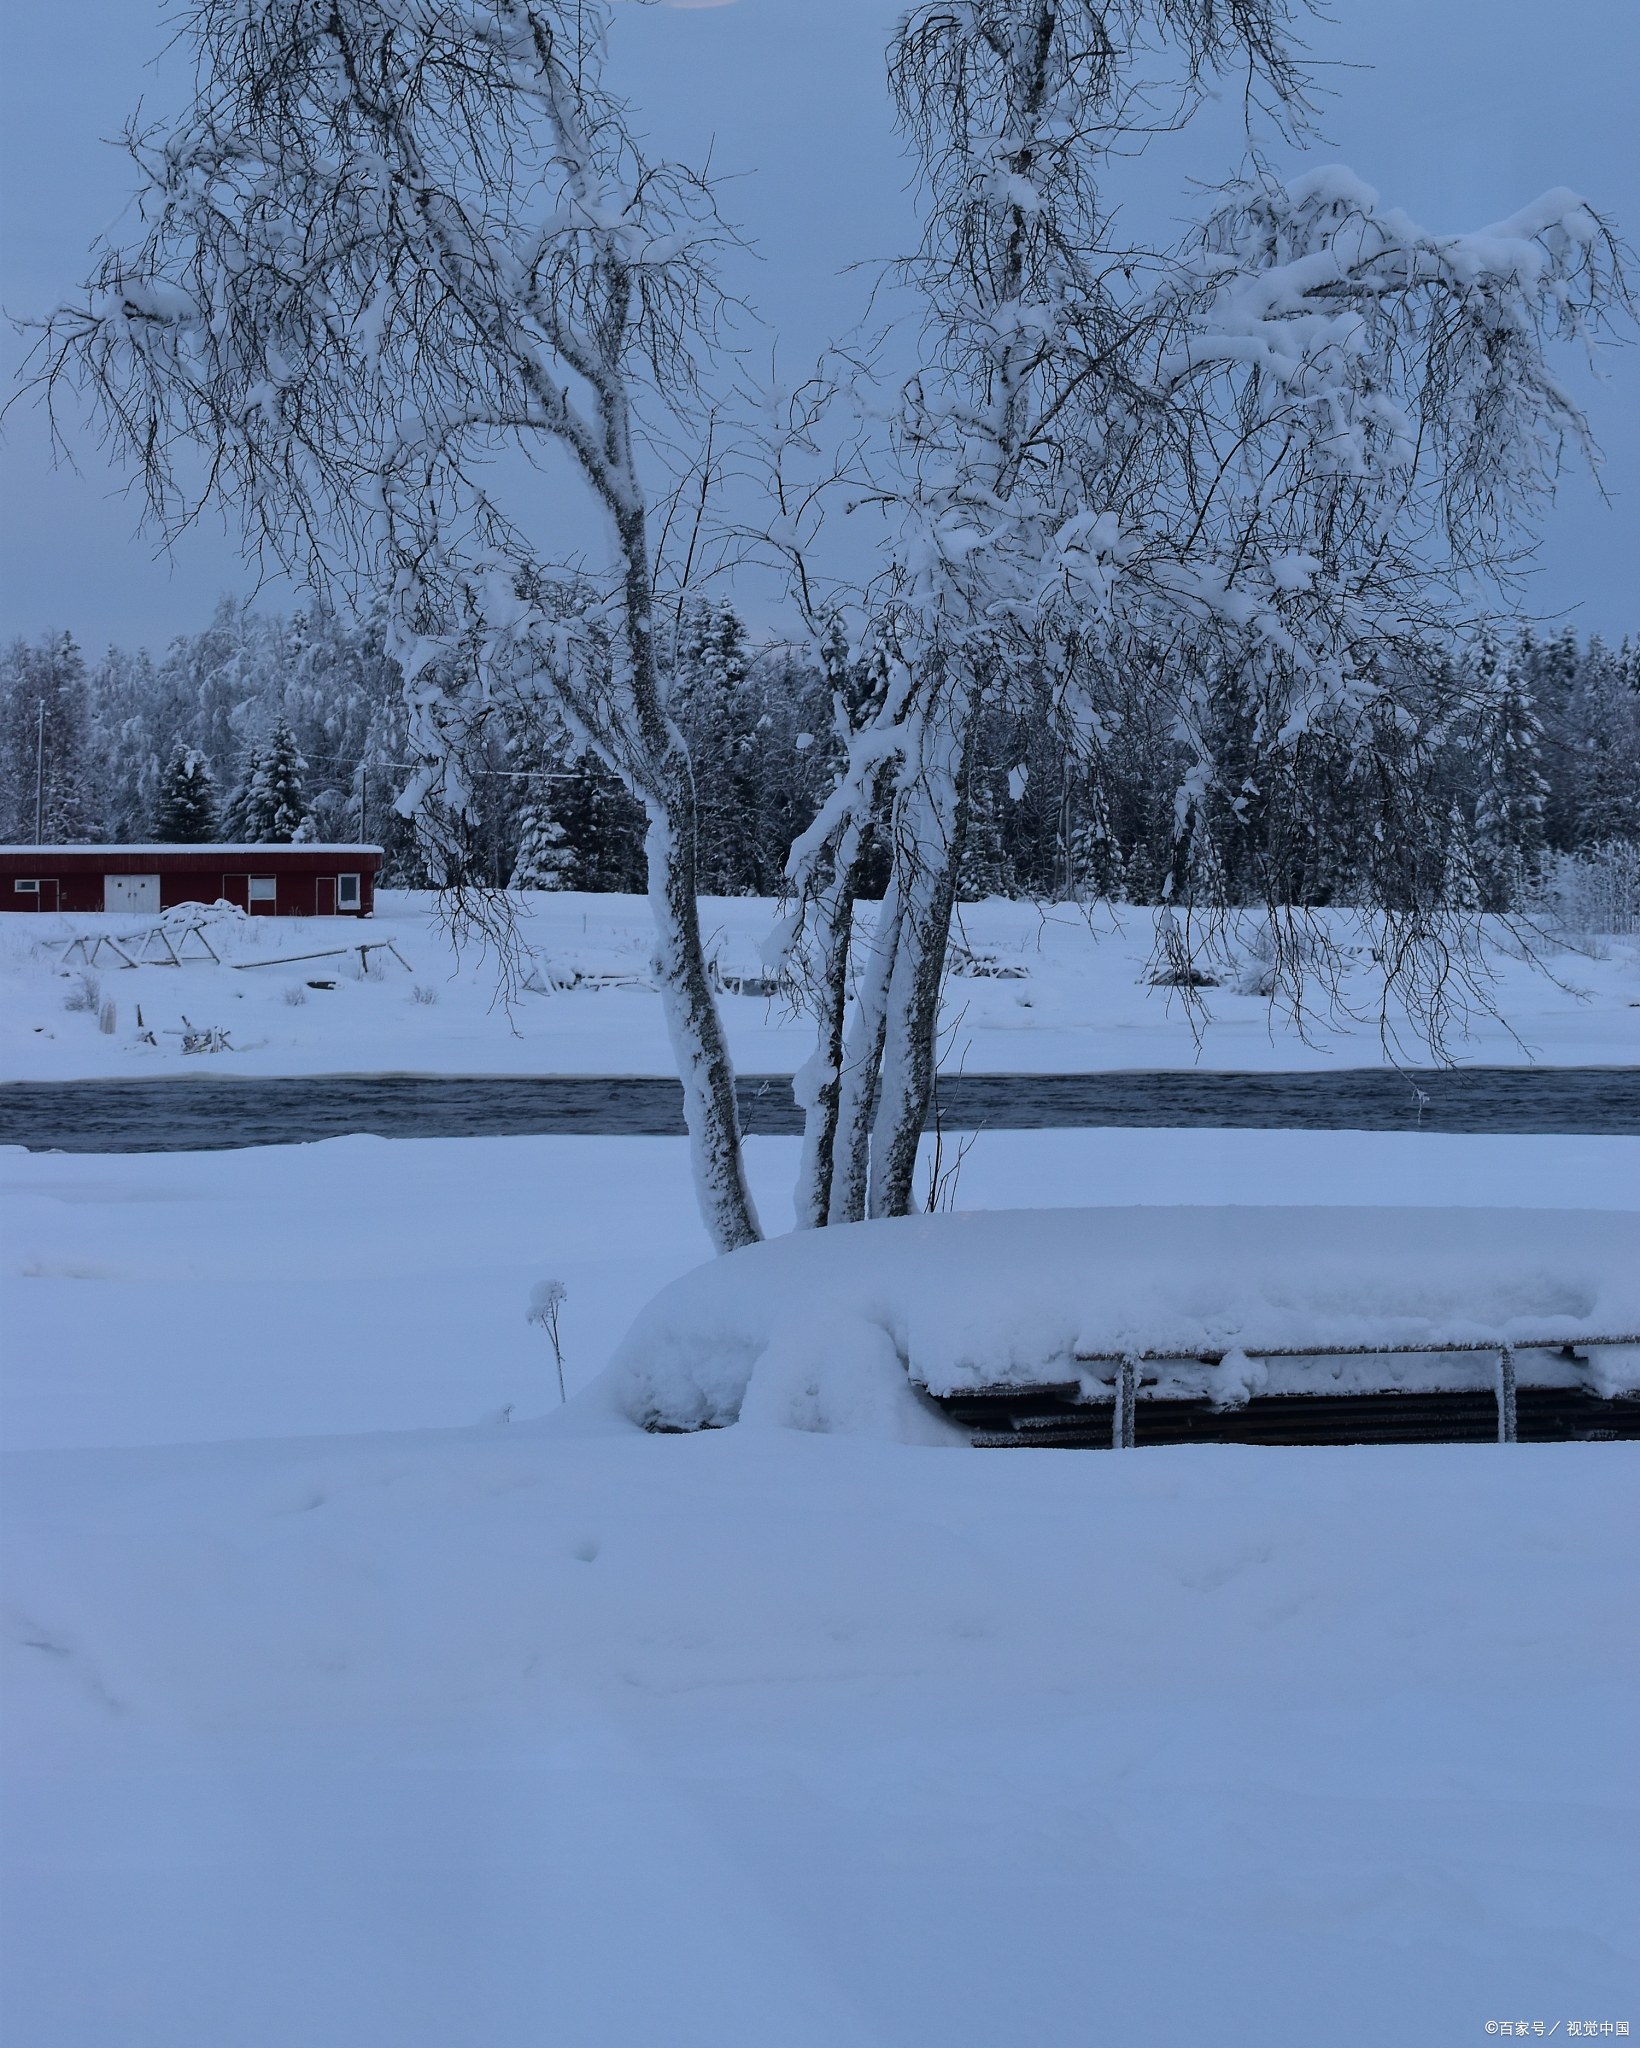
column 208, row 1113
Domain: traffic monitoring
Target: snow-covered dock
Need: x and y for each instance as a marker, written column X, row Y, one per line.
column 1071, row 1321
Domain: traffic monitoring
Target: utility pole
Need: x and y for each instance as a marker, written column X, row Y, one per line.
column 364, row 808
column 39, row 771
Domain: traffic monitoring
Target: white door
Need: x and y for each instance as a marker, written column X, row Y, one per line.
column 130, row 892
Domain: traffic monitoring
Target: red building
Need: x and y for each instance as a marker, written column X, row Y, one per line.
column 274, row 881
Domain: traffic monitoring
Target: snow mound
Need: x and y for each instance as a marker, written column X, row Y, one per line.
column 827, row 1330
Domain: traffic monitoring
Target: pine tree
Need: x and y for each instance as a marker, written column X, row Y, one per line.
column 1461, row 888
column 1550, row 670
column 603, row 828
column 241, row 814
column 719, row 719
column 1513, row 793
column 48, row 779
column 185, row 814
column 268, row 807
column 285, row 813
column 1603, row 726
column 1095, row 857
column 544, row 859
column 984, row 867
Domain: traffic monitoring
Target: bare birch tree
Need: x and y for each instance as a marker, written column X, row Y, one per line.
column 403, row 266
column 1275, row 462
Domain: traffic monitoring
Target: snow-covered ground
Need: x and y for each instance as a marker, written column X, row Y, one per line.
column 341, row 1711
column 1073, row 997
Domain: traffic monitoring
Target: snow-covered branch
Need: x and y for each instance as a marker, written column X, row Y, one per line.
column 393, row 246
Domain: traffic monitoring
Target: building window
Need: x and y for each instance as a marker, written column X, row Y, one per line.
column 347, row 892
column 26, row 888
column 263, row 889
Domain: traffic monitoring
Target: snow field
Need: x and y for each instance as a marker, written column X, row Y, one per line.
column 1073, row 996
column 341, row 1712
column 366, row 1283
column 472, row 1738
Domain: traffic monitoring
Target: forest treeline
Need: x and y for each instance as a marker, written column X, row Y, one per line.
column 272, row 727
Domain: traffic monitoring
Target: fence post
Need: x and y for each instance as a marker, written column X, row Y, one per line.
column 1507, row 1425
column 1122, row 1434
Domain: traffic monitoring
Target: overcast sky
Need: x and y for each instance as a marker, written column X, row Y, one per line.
column 1458, row 110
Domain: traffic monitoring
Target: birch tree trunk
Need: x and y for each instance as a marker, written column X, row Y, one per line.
column 862, row 1063
column 933, row 836
column 693, row 1021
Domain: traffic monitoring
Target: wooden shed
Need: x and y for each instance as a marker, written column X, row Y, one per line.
column 309, row 880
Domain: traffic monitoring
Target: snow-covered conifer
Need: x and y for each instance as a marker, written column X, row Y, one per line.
column 47, row 768
column 718, row 718
column 1512, row 792
column 277, row 802
column 544, row 859
column 1095, row 856
column 185, row 810
column 984, row 869
column 241, row 814
column 1461, row 888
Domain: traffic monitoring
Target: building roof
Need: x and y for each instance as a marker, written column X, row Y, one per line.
column 201, row 847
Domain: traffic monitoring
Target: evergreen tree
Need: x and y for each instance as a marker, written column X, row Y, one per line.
column 1550, row 670
column 719, row 720
column 49, row 779
column 268, row 807
column 1513, row 793
column 284, row 812
column 544, row 859
column 1603, row 730
column 1536, row 743
column 984, row 867
column 136, row 727
column 241, row 815
column 1461, row 887
column 603, row 828
column 1095, row 857
column 185, row 814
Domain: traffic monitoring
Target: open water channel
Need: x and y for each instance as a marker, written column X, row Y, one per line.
column 209, row 1112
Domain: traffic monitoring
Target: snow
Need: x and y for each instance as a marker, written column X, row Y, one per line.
column 1075, row 997
column 365, row 1284
column 818, row 1330
column 341, row 1712
column 171, row 849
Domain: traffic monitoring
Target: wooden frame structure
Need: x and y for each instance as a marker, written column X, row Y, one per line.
column 1541, row 1407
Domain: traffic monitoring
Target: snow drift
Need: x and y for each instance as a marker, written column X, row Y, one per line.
column 836, row 1330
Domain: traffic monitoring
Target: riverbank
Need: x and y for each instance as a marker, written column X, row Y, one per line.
column 1050, row 991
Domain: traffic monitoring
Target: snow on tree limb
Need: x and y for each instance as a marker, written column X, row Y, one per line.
column 390, row 243
column 1247, row 487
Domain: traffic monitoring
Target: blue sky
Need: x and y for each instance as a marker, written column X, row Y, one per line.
column 1458, row 110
